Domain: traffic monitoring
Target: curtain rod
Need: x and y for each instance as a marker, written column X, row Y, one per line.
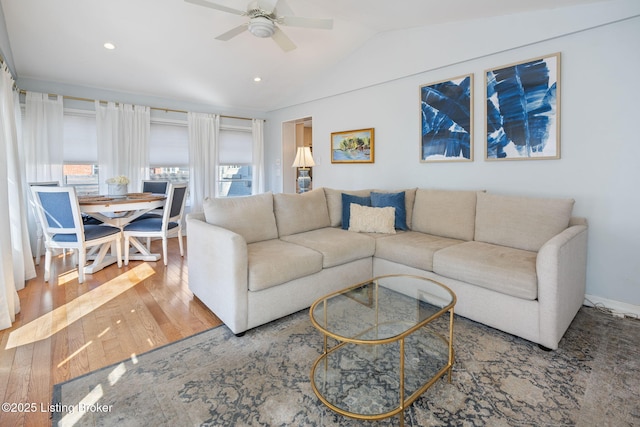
column 4, row 62
column 166, row 110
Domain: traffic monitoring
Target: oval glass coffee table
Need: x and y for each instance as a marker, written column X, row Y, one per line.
column 386, row 341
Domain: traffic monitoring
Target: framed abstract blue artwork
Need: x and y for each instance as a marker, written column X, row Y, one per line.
column 523, row 110
column 447, row 120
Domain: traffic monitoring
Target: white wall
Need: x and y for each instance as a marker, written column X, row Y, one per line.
column 600, row 146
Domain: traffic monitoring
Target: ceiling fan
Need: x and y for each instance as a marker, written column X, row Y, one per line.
column 265, row 17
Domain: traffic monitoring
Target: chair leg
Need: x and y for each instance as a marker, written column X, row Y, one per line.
column 38, row 249
column 164, row 249
column 181, row 243
column 149, row 244
column 126, row 250
column 82, row 260
column 119, row 251
column 47, row 264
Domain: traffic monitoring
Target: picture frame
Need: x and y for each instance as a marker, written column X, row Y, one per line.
column 353, row 146
column 446, row 109
column 523, row 110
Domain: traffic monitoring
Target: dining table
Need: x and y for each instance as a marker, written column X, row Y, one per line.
column 118, row 211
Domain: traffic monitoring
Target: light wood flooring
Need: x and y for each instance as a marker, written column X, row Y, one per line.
column 66, row 329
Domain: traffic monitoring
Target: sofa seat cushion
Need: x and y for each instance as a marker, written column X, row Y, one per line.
column 412, row 248
column 273, row 262
column 506, row 270
column 337, row 246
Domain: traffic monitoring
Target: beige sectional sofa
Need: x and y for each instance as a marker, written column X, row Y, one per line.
column 517, row 264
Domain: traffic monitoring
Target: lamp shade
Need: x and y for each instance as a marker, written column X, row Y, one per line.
column 303, row 159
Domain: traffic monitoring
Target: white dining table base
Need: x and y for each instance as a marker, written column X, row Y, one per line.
column 131, row 211
column 101, row 259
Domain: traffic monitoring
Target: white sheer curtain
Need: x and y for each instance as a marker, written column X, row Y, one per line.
column 42, row 137
column 134, row 137
column 203, row 141
column 258, row 156
column 16, row 264
column 123, row 143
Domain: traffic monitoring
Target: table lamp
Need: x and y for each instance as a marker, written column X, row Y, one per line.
column 303, row 161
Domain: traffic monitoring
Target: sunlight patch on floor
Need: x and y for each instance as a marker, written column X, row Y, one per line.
column 72, row 355
column 56, row 320
column 67, row 277
column 90, row 399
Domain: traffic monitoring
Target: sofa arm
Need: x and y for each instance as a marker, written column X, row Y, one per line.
column 218, row 271
column 561, row 266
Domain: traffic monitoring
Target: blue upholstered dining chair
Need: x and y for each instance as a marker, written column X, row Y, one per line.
column 155, row 187
column 34, row 217
column 167, row 226
column 61, row 221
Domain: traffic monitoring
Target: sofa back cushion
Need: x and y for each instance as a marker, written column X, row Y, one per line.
column 520, row 222
column 250, row 216
column 297, row 213
column 446, row 213
column 334, row 203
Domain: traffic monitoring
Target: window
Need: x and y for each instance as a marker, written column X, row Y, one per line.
column 169, row 148
column 169, row 151
column 235, row 161
column 80, row 151
column 234, row 180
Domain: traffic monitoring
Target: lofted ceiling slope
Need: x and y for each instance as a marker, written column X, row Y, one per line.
column 168, row 49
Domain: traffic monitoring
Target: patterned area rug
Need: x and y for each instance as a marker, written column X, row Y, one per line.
column 262, row 379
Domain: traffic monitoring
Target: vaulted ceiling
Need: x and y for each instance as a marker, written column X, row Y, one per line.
column 168, row 48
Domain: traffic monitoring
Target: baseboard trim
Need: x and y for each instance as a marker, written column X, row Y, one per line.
column 617, row 308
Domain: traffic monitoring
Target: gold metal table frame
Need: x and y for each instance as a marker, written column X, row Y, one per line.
column 374, row 324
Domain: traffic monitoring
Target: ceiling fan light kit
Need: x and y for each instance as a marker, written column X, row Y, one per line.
column 264, row 21
column 261, row 27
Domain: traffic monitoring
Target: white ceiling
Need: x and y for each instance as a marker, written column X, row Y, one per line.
column 167, row 48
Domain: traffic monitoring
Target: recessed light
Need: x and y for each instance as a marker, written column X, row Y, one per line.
column 257, row 79
column 109, row 45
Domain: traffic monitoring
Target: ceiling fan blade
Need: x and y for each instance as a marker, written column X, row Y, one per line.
column 299, row 21
column 282, row 40
column 216, row 7
column 233, row 32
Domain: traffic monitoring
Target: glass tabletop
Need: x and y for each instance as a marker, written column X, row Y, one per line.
column 383, row 308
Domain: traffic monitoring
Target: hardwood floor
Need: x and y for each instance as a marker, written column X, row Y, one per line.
column 66, row 329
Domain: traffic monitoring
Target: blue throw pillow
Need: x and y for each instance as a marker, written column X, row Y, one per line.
column 347, row 199
column 395, row 200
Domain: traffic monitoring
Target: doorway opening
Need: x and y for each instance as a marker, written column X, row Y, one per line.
column 295, row 134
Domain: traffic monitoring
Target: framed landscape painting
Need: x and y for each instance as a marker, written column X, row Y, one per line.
column 353, row 146
column 447, row 120
column 523, row 110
